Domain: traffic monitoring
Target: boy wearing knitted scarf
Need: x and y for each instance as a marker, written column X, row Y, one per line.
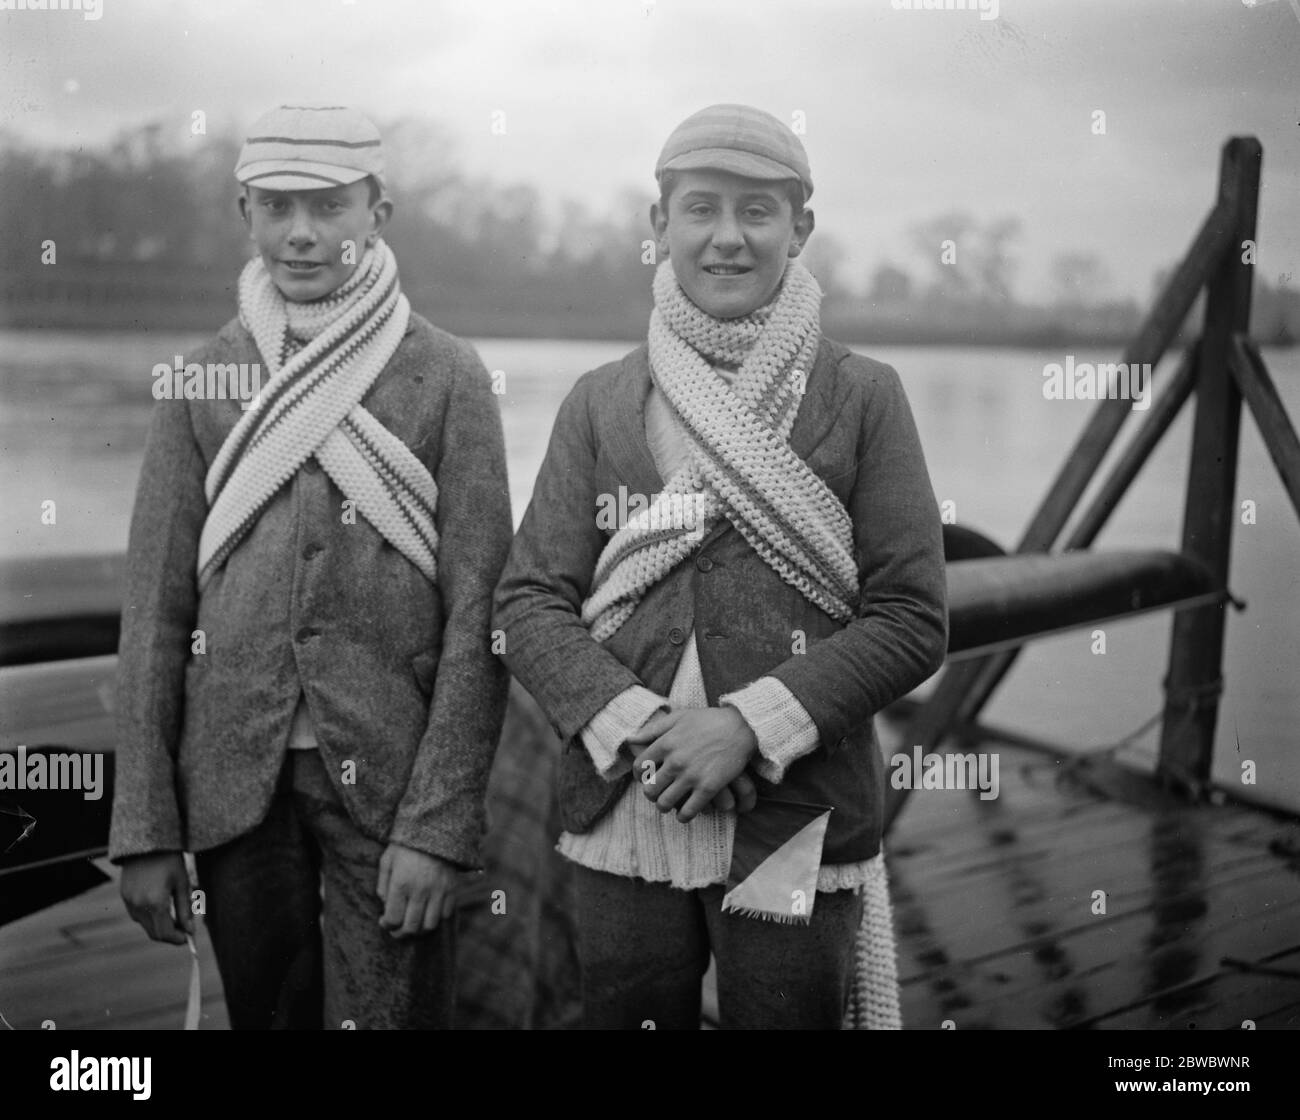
column 721, row 782
column 308, row 700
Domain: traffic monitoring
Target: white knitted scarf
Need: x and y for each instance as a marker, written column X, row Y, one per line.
column 741, row 460
column 323, row 357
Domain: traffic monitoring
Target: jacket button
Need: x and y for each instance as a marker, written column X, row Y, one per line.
column 305, row 633
column 704, row 564
column 311, row 551
column 676, row 635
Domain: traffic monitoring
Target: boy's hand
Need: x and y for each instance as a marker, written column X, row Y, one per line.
column 156, row 890
column 739, row 797
column 696, row 754
column 415, row 889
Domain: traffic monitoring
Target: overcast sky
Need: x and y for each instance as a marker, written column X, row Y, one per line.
column 908, row 113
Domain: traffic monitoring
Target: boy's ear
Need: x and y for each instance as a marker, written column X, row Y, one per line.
column 243, row 208
column 803, row 227
column 380, row 214
column 659, row 223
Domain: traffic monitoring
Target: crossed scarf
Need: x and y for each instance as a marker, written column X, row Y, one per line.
column 740, row 461
column 323, row 357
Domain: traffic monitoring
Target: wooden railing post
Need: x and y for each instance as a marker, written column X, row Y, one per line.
column 1196, row 646
column 966, row 686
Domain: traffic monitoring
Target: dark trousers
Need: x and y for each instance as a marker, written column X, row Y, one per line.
column 643, row 949
column 294, row 920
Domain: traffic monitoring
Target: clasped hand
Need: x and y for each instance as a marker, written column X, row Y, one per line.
column 689, row 758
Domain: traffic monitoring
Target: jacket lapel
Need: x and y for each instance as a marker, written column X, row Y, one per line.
column 626, row 446
column 817, row 411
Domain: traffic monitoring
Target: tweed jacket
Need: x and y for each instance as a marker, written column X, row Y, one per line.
column 855, row 429
column 398, row 673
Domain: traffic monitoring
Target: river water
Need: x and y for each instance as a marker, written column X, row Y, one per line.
column 74, row 408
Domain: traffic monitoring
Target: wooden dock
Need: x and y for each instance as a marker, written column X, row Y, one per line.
column 993, row 909
column 84, row 965
column 994, row 905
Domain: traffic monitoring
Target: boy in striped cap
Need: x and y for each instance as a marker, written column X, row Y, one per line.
column 721, row 784
column 308, row 699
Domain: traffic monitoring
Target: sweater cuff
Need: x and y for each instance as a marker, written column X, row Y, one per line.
column 784, row 729
column 609, row 728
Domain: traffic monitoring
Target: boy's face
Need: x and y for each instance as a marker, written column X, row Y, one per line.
column 301, row 235
column 728, row 239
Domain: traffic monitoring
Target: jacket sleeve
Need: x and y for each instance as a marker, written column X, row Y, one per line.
column 548, row 576
column 899, row 637
column 614, row 724
column 159, row 613
column 783, row 728
column 442, row 811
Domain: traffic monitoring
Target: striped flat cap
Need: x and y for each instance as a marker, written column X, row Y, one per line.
column 739, row 139
column 302, row 147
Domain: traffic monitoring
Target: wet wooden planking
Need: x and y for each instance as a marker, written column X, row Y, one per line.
column 1037, row 895
column 993, row 907
column 1276, row 1001
column 85, row 965
column 1071, row 977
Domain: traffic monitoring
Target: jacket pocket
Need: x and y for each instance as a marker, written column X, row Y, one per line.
column 424, row 667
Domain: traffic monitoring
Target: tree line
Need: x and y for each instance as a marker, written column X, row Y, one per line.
column 145, row 232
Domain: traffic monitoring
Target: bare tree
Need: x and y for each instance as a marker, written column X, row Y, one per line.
column 947, row 245
column 994, row 265
column 890, row 284
column 1079, row 278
